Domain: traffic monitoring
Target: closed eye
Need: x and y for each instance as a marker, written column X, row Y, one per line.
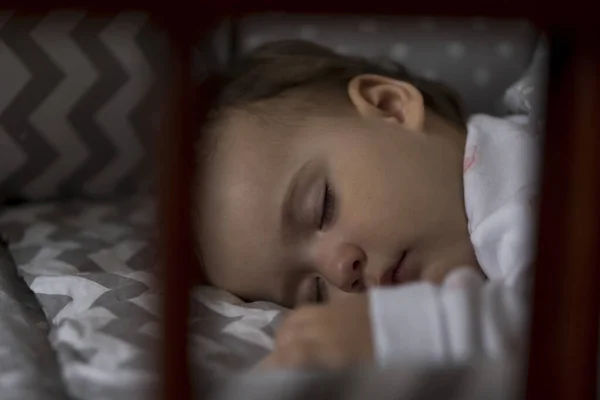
column 328, row 207
column 320, row 290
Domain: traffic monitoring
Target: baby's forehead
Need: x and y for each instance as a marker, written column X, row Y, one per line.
column 239, row 208
column 241, row 184
column 245, row 147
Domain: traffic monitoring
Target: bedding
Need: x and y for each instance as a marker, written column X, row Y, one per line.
column 28, row 367
column 92, row 268
column 528, row 94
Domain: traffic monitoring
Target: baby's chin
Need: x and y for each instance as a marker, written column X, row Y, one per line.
column 436, row 272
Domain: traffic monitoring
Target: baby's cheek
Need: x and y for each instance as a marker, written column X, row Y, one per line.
column 462, row 278
column 336, row 295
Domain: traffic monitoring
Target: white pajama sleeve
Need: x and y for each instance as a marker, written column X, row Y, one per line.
column 462, row 319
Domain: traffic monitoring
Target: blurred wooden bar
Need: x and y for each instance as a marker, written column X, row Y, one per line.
column 566, row 307
column 186, row 106
column 174, row 206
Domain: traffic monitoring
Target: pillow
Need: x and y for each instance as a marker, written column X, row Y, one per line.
column 79, row 102
column 229, row 335
column 478, row 57
column 528, row 94
column 92, row 268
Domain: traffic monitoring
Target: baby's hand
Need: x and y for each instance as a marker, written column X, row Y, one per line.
column 330, row 336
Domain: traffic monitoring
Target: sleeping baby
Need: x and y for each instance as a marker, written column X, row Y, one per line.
column 359, row 196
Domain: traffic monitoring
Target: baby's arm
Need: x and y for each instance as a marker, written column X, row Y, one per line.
column 462, row 319
column 418, row 323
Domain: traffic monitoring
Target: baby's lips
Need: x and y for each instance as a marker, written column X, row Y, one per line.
column 387, row 278
column 399, row 273
column 408, row 272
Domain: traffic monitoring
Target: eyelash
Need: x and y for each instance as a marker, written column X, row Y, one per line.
column 320, row 295
column 328, row 207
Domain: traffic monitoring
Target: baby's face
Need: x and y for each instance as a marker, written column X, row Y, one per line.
column 329, row 206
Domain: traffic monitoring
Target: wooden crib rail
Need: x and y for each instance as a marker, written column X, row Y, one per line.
column 185, row 110
column 566, row 307
column 175, row 177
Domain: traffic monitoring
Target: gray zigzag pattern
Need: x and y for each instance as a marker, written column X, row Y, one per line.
column 52, row 36
column 80, row 258
column 125, row 289
column 124, row 313
column 127, row 330
column 88, row 244
column 70, row 336
column 147, row 255
column 111, row 78
column 153, row 45
column 45, row 76
column 210, row 324
column 116, row 281
column 42, row 164
column 71, row 354
column 53, row 303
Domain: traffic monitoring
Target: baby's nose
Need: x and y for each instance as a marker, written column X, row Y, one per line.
column 347, row 268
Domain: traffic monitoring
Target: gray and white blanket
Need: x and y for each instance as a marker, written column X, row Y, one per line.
column 28, row 366
column 91, row 267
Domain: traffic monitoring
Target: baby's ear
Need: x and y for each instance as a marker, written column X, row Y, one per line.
column 376, row 96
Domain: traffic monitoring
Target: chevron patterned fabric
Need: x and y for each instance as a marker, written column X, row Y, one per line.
column 91, row 266
column 79, row 97
column 24, row 374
